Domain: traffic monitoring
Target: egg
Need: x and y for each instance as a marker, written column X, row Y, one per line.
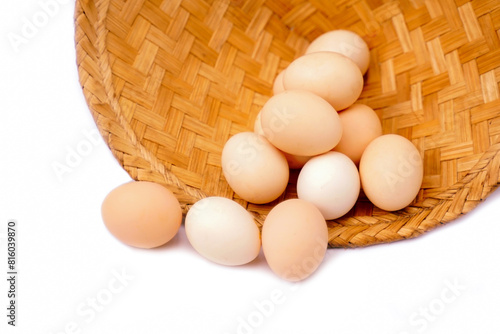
column 278, row 83
column 294, row 161
column 345, row 42
column 256, row 170
column 330, row 75
column 257, row 127
column 294, row 239
column 331, row 182
column 222, row 231
column 360, row 125
column 142, row 214
column 301, row 123
column 391, row 172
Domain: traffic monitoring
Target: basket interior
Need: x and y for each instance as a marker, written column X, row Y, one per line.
column 169, row 81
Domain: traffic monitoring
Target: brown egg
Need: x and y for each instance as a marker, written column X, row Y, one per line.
column 391, row 172
column 344, row 42
column 294, row 161
column 256, row 170
column 330, row 75
column 142, row 214
column 360, row 125
column 301, row 123
column 294, row 239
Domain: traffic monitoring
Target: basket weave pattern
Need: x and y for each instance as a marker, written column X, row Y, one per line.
column 169, row 81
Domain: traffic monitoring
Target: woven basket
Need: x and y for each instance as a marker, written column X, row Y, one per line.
column 169, row 81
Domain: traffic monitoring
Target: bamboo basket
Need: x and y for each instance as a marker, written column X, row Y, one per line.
column 169, row 81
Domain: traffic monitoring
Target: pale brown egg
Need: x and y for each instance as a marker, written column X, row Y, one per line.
column 294, row 161
column 294, row 239
column 301, row 123
column 330, row 75
column 256, row 170
column 360, row 125
column 142, row 214
column 344, row 42
column 278, row 83
column 391, row 172
column 257, row 127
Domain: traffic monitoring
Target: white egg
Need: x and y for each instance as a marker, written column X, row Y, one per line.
column 222, row 231
column 331, row 182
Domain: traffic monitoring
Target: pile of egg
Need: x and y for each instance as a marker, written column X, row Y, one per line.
column 312, row 123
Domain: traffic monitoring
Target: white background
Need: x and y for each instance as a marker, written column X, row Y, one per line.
column 446, row 281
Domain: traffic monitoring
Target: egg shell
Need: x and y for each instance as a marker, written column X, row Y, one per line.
column 330, row 75
column 331, row 182
column 360, row 125
column 142, row 214
column 301, row 123
column 257, row 127
column 278, row 83
column 294, row 239
column 222, row 231
column 256, row 170
column 294, row 161
column 391, row 171
column 345, row 42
